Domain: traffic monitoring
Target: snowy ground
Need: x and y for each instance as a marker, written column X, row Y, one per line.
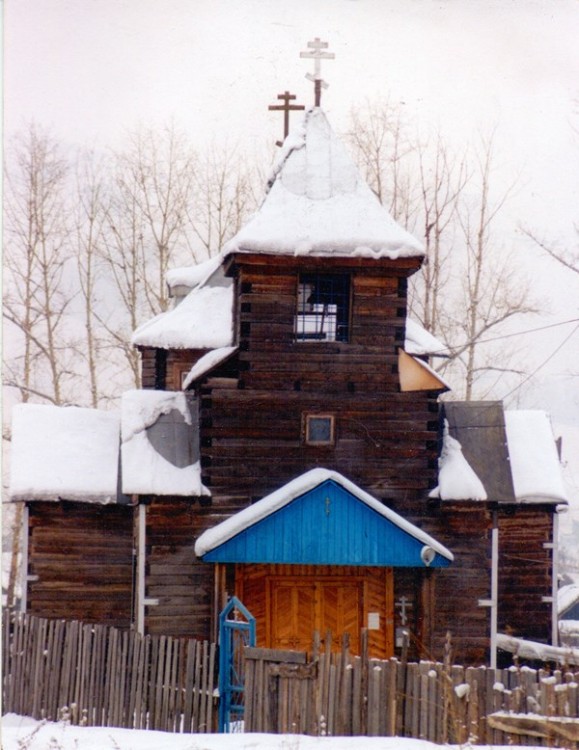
column 20, row 733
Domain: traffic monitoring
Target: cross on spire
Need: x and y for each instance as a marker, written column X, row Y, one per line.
column 316, row 52
column 286, row 108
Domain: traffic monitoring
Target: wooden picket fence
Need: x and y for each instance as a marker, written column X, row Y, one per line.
column 340, row 694
column 101, row 676
column 97, row 675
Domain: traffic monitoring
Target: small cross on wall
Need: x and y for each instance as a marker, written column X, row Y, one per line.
column 403, row 604
column 286, row 108
column 317, row 52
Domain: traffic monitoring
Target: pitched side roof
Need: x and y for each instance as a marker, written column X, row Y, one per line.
column 479, row 427
column 64, row 453
column 534, row 458
column 160, row 444
column 512, row 454
column 203, row 319
column 319, row 205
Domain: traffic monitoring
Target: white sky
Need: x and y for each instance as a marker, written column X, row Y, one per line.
column 91, row 69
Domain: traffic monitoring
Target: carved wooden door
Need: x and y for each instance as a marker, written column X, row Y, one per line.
column 299, row 606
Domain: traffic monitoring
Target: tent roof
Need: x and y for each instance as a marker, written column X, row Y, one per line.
column 319, row 205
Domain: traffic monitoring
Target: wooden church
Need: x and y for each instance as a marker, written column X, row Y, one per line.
column 289, row 447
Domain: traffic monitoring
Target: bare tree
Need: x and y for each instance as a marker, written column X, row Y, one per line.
column 468, row 287
column 383, row 149
column 90, row 218
column 442, row 179
column 37, row 261
column 493, row 289
column 569, row 258
column 224, row 189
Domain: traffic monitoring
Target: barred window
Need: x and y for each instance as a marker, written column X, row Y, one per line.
column 323, row 312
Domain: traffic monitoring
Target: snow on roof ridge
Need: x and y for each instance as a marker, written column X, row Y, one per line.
column 297, row 487
column 193, row 276
column 457, row 480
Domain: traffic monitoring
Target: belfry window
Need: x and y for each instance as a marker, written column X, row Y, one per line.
column 323, row 312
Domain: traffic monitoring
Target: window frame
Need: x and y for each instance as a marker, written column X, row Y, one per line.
column 307, row 417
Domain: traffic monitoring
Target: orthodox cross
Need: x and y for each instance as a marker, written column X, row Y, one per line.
column 316, row 52
column 403, row 604
column 286, row 108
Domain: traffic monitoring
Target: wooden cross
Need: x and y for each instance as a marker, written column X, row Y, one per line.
column 316, row 52
column 286, row 108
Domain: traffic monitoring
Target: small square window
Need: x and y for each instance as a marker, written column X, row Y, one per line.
column 319, row 429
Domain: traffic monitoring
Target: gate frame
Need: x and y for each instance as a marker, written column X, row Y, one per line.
column 231, row 673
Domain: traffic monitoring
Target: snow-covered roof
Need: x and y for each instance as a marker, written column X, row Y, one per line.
column 567, row 596
column 64, row 453
column 145, row 470
column 514, row 453
column 319, row 205
column 535, row 464
column 419, row 341
column 202, row 320
column 276, row 500
column 457, row 479
column 192, row 276
column 208, row 362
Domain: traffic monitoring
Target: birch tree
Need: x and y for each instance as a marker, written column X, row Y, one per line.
column 37, row 260
column 469, row 286
column 493, row 288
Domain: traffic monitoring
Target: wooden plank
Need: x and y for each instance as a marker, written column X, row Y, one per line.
column 196, row 667
column 266, row 654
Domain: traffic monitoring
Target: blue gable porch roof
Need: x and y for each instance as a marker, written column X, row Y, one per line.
column 332, row 522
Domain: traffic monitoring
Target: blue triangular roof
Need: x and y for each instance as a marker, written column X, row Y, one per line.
column 321, row 518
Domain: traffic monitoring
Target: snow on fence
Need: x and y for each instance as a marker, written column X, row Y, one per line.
column 340, row 694
column 97, row 675
column 101, row 676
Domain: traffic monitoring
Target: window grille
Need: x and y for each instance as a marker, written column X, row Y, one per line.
column 323, row 307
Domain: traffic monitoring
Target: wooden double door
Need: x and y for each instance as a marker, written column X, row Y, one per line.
column 290, row 602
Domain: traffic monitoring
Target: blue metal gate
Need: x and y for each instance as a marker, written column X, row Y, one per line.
column 236, row 630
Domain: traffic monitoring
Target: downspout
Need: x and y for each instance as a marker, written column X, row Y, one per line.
column 555, row 579
column 494, row 587
column 141, row 554
column 23, row 573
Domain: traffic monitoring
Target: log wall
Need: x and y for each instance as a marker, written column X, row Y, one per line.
column 182, row 584
column 253, row 425
column 80, row 562
column 525, row 572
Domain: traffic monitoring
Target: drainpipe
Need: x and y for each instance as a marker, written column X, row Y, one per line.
column 494, row 587
column 23, row 573
column 492, row 603
column 555, row 577
column 141, row 550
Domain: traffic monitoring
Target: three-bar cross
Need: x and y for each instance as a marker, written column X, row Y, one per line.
column 316, row 52
column 286, row 108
